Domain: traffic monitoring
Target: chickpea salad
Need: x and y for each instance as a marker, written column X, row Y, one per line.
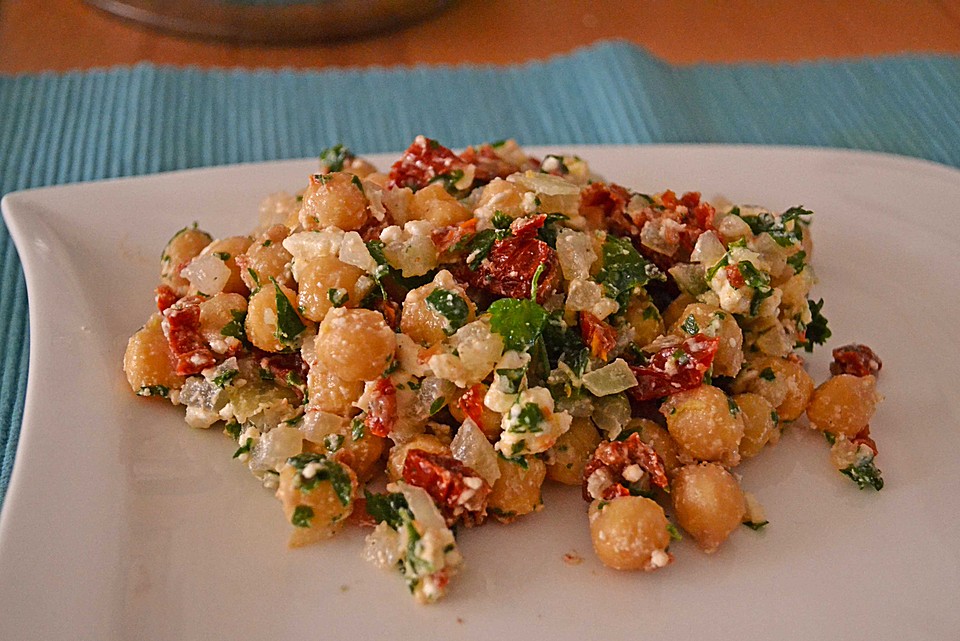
column 416, row 352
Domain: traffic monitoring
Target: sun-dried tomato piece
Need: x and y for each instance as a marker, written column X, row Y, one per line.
column 181, row 326
column 382, row 413
column 735, row 276
column 446, row 237
column 488, row 164
column 511, row 265
column 288, row 369
column 165, row 297
column 674, row 369
column 422, row 163
column 604, row 206
column 459, row 492
column 599, row 335
column 471, row 402
column 528, row 227
column 390, row 311
column 863, row 438
column 616, row 466
column 690, row 199
column 855, row 359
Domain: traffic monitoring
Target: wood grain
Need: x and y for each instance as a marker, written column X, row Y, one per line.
column 59, row 35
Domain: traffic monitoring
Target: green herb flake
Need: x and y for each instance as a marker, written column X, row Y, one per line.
column 830, row 438
column 225, row 378
column 254, row 276
column 356, row 183
column 244, row 449
column 289, row 325
column 816, row 331
column 798, row 261
column 519, row 322
column 756, row 526
column 333, row 442
column 451, row 306
column 233, row 429
column 386, row 507
column 733, row 407
column 534, row 284
column 514, row 378
column 768, row 374
column 323, row 469
column 786, row 230
column 528, row 420
column 479, row 247
column 690, row 326
column 236, row 328
column 500, row 220
column 224, row 256
column 357, row 429
column 624, row 269
column 154, row 390
column 674, row 532
column 334, row 158
column 338, row 296
column 437, row 405
column 302, row 516
column 864, row 472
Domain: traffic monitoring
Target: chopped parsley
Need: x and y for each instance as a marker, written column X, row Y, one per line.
column 479, row 247
column 733, row 407
column 323, row 469
column 255, row 277
column 357, row 429
column 756, row 526
column 551, row 228
column 514, row 378
column 244, row 449
column 224, row 256
column 786, row 229
column 449, row 181
column 437, row 405
column 528, row 419
column 816, row 332
column 798, row 261
column 236, row 328
column 289, row 325
column 864, row 472
column 302, row 515
column 624, row 269
column 500, row 220
column 233, row 429
column 768, row 374
column 674, row 532
column 519, row 322
column 338, row 296
column 451, row 306
column 225, row 378
column 386, row 507
column 690, row 325
column 333, row 158
column 333, row 442
column 154, row 390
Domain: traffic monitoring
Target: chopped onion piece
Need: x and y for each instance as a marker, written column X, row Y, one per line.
column 472, row 448
column 422, row 507
column 207, row 274
column 610, row 379
column 708, row 249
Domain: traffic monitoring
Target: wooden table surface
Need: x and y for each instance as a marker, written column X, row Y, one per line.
column 38, row 35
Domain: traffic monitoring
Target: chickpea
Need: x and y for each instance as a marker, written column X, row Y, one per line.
column 660, row 440
column 645, row 320
column 423, row 322
column 708, row 503
column 148, row 361
column 357, row 344
column 362, row 455
column 517, row 491
column 230, row 248
column 334, row 200
column 760, row 423
column 433, row 203
column 717, row 323
column 490, row 421
column 262, row 319
column 398, row 453
column 503, row 196
column 326, row 273
column 784, row 383
column 330, row 393
column 185, row 245
column 844, row 404
column 313, row 506
column 572, row 451
column 672, row 313
column 266, row 259
column 704, row 424
column 216, row 314
column 630, row 533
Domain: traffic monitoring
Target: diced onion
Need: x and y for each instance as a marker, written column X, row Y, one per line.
column 207, row 274
column 472, row 448
column 610, row 379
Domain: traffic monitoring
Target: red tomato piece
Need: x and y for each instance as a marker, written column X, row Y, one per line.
column 612, row 458
column 458, row 491
column 599, row 336
column 471, row 402
column 674, row 369
column 424, row 161
column 382, row 414
column 855, row 359
column 181, row 326
column 446, row 237
column 165, row 297
column 734, row 276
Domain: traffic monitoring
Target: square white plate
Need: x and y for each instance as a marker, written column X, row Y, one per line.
column 122, row 523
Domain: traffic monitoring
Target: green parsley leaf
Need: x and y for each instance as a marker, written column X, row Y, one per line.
column 529, row 420
column 154, row 390
column 674, row 532
column 333, row 158
column 501, row 220
column 289, row 325
column 786, row 230
column 733, row 407
column 225, row 378
column 338, row 296
column 236, row 328
column 243, row 449
column 514, row 378
column 437, row 405
column 333, row 442
column 690, row 326
column 356, row 183
column 479, row 247
column 451, row 306
column 817, row 331
column 519, row 322
column 224, row 256
column 756, row 526
column 865, row 473
column 624, row 269
column 357, row 429
column 534, row 283
column 768, row 374
column 386, row 507
column 233, row 429
column 831, row 438
column 798, row 261
column 551, row 229
column 302, row 514
column 324, row 470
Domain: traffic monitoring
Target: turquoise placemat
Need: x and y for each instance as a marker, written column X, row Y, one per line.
column 59, row 128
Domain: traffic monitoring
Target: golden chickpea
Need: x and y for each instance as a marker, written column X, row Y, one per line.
column 313, row 501
column 844, row 404
column 760, row 423
column 423, row 322
column 185, row 245
column 672, row 313
column 572, row 451
column 148, row 361
column 717, row 323
column 357, row 344
column 326, row 273
column 229, row 249
column 334, row 200
column 660, row 440
column 216, row 314
column 784, row 383
column 645, row 320
column 630, row 533
column 398, row 453
column 362, row 455
column 265, row 328
column 708, row 503
column 705, row 425
column 266, row 259
column 330, row 393
column 490, row 421
column 517, row 491
column 433, row 203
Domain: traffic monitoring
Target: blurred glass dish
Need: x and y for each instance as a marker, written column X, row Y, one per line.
column 273, row 21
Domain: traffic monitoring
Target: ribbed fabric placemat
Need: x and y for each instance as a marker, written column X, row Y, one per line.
column 84, row 126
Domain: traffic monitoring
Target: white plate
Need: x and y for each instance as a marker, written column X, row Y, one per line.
column 122, row 523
